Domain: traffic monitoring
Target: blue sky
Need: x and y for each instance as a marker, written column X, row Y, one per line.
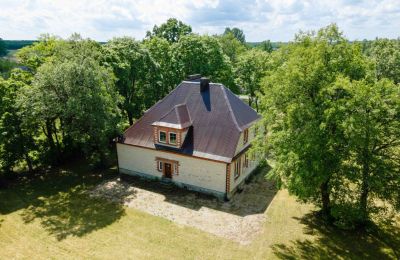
column 277, row 20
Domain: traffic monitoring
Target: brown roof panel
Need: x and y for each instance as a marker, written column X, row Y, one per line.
column 217, row 117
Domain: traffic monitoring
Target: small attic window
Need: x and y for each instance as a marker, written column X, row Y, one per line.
column 172, row 138
column 162, row 137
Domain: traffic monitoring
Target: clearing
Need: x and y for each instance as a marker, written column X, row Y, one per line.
column 55, row 215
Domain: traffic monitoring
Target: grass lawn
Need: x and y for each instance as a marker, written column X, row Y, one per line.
column 51, row 216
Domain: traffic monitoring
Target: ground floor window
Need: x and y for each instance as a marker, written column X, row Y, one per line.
column 159, row 166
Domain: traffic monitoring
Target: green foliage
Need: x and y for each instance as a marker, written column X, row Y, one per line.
column 16, row 138
column 172, row 30
column 5, row 67
column 231, row 46
column 238, row 33
column 73, row 100
column 3, row 49
column 266, row 46
column 135, row 70
column 195, row 54
column 386, row 55
column 302, row 138
column 39, row 52
column 250, row 69
column 371, row 127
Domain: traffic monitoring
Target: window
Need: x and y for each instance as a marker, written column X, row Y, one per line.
column 176, row 168
column 172, row 138
column 245, row 136
column 246, row 160
column 162, row 137
column 160, row 166
column 237, row 168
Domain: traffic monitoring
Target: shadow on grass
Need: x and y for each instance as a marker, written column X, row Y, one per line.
column 60, row 201
column 332, row 243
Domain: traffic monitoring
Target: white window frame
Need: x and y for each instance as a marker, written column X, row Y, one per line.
column 160, row 166
column 159, row 136
column 169, row 138
column 237, row 168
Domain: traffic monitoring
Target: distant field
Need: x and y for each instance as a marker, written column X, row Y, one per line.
column 52, row 216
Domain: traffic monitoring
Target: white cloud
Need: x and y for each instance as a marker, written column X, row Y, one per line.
column 260, row 19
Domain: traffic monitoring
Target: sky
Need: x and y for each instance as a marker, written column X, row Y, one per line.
column 277, row 20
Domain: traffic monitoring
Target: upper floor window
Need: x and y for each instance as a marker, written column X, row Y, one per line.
column 172, row 138
column 162, row 138
column 245, row 136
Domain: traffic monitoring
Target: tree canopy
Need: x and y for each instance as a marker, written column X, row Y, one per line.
column 238, row 33
column 172, row 30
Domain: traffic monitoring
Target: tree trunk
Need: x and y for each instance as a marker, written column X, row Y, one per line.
column 364, row 193
column 326, row 202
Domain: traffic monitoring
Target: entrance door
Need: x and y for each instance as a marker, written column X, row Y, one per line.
column 167, row 170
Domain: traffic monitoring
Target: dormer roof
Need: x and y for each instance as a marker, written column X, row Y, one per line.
column 178, row 117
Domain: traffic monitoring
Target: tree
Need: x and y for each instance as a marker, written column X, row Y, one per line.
column 16, row 139
column 231, row 46
column 305, row 143
column 195, row 54
column 386, row 55
column 39, row 52
column 134, row 68
column 73, row 100
column 172, row 30
column 161, row 52
column 238, row 33
column 371, row 127
column 250, row 70
column 3, row 49
column 266, row 46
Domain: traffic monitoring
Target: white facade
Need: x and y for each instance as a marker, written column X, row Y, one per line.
column 194, row 173
column 213, row 177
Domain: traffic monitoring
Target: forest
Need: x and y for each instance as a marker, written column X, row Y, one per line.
column 331, row 107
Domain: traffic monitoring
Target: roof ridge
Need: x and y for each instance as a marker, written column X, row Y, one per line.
column 223, row 88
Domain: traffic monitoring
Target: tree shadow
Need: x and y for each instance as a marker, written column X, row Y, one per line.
column 60, row 201
column 330, row 242
column 255, row 197
column 72, row 213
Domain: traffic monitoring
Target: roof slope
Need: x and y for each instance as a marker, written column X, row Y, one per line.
column 217, row 117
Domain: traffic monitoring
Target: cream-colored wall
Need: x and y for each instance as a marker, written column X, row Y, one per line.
column 240, row 144
column 197, row 172
column 245, row 170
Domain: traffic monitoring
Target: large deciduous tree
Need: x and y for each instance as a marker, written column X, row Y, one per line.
column 371, row 125
column 250, row 69
column 172, row 30
column 202, row 54
column 134, row 68
column 238, row 33
column 386, row 55
column 306, row 144
column 73, row 100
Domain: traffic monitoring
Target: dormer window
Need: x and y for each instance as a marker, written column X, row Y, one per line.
column 162, row 137
column 172, row 138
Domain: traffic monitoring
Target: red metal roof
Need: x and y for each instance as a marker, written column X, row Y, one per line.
column 217, row 118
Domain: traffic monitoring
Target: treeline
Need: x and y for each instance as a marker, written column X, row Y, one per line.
column 331, row 107
column 71, row 97
column 332, row 111
column 17, row 44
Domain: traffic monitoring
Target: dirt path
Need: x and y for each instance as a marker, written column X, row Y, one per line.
column 240, row 219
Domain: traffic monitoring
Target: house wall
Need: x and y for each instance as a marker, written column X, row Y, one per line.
column 196, row 174
column 245, row 171
column 240, row 145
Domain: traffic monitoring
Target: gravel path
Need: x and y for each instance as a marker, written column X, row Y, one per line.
column 240, row 219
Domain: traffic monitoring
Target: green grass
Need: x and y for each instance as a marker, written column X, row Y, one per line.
column 51, row 216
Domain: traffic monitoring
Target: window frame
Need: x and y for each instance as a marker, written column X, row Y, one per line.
column 237, row 168
column 245, row 136
column 169, row 138
column 160, row 166
column 159, row 136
